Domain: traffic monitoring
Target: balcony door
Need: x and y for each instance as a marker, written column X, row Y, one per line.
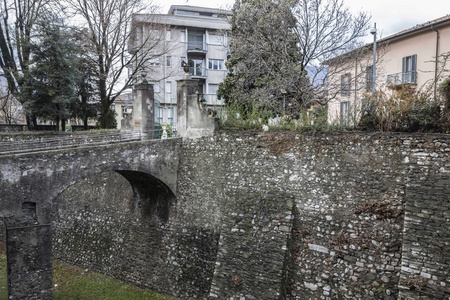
column 409, row 64
column 195, row 41
column 198, row 67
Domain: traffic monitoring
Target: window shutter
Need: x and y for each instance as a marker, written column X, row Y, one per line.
column 413, row 68
column 404, row 69
column 349, row 80
column 342, row 85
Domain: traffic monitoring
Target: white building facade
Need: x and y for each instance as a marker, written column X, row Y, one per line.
column 195, row 35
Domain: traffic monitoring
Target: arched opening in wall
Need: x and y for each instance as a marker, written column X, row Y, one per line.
column 3, row 262
column 115, row 223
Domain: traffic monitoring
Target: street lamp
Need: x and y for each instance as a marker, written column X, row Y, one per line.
column 374, row 67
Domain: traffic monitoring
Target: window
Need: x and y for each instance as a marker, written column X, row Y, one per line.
column 212, row 93
column 369, row 78
column 168, row 87
column 344, row 116
column 156, row 87
column 159, row 114
column 345, row 84
column 171, row 116
column 168, row 35
column 212, row 88
column 215, row 64
column 154, row 61
column 168, row 61
column 409, row 65
column 195, row 41
column 215, row 39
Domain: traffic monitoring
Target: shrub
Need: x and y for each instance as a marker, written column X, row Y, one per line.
column 444, row 88
column 402, row 110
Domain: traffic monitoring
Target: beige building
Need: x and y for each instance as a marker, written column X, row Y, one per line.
column 123, row 106
column 195, row 35
column 405, row 58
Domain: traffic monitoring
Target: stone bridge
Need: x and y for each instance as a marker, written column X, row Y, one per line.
column 244, row 215
column 30, row 184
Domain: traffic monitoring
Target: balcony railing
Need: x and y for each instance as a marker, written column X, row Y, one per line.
column 194, row 46
column 401, row 78
column 212, row 100
column 198, row 72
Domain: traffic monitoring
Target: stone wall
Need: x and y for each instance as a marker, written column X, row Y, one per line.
column 278, row 216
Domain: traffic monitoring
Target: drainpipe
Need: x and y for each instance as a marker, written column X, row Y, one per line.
column 356, row 81
column 436, row 62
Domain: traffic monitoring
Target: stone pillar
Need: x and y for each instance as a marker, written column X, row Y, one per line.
column 192, row 119
column 29, row 262
column 29, row 253
column 143, row 114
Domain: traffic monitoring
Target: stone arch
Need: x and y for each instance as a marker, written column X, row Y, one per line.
column 152, row 197
column 124, row 239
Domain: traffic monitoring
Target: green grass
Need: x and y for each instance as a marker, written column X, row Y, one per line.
column 71, row 283
column 75, row 283
column 3, row 277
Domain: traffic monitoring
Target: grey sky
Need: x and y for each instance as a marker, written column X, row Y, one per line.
column 391, row 16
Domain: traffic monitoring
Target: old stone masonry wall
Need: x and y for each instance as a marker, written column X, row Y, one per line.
column 322, row 216
column 277, row 215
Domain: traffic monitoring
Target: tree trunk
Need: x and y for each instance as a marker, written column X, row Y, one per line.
column 32, row 123
column 63, row 125
column 57, row 124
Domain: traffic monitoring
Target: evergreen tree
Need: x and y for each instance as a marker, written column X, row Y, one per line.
column 53, row 74
column 264, row 64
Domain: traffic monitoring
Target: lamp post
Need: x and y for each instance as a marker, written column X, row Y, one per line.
column 374, row 66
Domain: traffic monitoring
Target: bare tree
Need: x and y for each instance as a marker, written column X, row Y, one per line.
column 109, row 30
column 18, row 18
column 10, row 108
column 326, row 29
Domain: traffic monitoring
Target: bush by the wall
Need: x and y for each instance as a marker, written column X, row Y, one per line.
column 402, row 110
column 445, row 90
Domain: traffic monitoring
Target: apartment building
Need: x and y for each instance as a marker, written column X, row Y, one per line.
column 195, row 35
column 414, row 57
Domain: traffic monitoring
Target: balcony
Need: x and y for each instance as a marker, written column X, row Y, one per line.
column 402, row 78
column 197, row 47
column 212, row 100
column 196, row 72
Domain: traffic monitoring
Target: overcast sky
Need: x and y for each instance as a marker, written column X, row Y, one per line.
column 391, row 16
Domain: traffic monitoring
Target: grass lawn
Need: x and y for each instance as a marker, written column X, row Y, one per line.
column 3, row 277
column 75, row 283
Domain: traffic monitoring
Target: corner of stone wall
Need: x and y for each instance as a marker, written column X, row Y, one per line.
column 253, row 246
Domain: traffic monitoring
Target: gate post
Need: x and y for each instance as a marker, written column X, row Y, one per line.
column 143, row 110
column 192, row 118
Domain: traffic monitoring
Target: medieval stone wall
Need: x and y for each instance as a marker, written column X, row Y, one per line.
column 278, row 215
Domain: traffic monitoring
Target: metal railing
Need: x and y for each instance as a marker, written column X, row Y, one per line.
column 198, row 72
column 401, row 78
column 71, row 141
column 194, row 46
column 213, row 100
